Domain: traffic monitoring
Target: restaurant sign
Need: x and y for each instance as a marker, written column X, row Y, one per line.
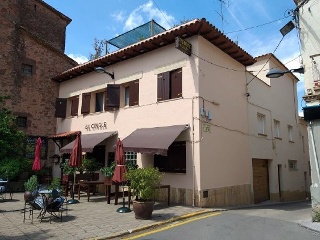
column 96, row 126
column 183, row 46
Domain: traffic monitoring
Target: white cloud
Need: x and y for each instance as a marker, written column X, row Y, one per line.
column 145, row 13
column 119, row 16
column 78, row 58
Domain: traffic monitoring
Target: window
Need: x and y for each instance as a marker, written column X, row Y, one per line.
column 22, row 121
column 26, row 70
column 85, row 107
column 74, row 101
column 276, row 128
column 261, row 124
column 290, row 133
column 293, row 164
column 99, row 101
column 131, row 93
column 170, row 85
column 61, row 107
column 132, row 157
column 175, row 161
column 126, row 96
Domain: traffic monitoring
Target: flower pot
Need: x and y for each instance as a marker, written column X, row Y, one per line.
column 107, row 180
column 143, row 210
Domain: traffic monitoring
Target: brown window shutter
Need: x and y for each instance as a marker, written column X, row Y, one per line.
column 61, row 108
column 74, row 106
column 163, row 86
column 113, row 93
column 176, row 83
column 105, row 99
column 134, row 93
column 85, row 107
column 166, row 85
column 159, row 88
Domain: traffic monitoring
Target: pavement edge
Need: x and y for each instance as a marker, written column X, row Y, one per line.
column 174, row 219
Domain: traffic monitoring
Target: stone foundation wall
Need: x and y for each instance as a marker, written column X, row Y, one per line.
column 219, row 197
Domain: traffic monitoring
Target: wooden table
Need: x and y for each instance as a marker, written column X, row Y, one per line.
column 88, row 185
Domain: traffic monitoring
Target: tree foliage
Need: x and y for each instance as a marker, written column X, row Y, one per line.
column 12, row 143
column 98, row 46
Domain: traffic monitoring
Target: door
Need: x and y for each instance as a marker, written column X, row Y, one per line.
column 260, row 180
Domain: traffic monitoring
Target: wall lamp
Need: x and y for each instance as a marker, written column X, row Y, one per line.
column 275, row 73
column 101, row 70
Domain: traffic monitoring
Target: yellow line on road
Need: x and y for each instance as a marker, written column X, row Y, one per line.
column 172, row 226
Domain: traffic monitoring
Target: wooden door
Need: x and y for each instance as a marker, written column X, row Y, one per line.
column 260, row 180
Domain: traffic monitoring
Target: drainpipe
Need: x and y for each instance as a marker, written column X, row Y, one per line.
column 193, row 165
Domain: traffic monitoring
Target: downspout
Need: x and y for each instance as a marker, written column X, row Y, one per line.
column 193, row 165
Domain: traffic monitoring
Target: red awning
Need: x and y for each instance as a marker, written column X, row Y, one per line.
column 88, row 141
column 64, row 135
column 152, row 140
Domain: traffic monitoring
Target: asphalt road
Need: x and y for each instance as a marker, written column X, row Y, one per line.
column 279, row 222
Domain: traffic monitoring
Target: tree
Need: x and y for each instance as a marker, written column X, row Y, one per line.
column 98, row 46
column 12, row 144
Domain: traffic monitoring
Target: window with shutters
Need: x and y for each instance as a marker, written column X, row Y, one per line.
column 175, row 161
column 99, row 101
column 61, row 108
column 130, row 93
column 74, row 102
column 169, row 85
column 86, row 99
column 112, row 97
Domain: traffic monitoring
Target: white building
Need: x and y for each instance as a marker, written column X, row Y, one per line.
column 307, row 22
column 202, row 111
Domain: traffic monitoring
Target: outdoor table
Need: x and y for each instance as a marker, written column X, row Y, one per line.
column 88, row 185
column 3, row 189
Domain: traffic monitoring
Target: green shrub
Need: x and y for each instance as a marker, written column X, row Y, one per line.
column 143, row 182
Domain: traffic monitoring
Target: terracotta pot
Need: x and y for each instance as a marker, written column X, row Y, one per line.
column 108, row 180
column 143, row 210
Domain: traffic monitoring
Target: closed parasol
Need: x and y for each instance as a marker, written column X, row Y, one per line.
column 37, row 162
column 75, row 161
column 119, row 172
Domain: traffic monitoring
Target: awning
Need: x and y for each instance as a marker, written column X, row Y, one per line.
column 152, row 140
column 63, row 135
column 88, row 141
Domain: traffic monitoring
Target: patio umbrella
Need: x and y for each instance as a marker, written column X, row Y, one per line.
column 75, row 161
column 119, row 172
column 37, row 162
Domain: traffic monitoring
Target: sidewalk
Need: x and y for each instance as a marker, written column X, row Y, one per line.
column 86, row 220
column 91, row 220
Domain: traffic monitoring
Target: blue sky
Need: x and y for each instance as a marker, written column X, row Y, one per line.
column 254, row 24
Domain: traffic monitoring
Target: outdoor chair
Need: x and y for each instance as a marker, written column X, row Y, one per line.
column 54, row 205
column 31, row 206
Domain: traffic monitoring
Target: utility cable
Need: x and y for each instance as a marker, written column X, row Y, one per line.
column 265, row 62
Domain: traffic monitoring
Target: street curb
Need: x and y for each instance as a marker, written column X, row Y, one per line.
column 174, row 219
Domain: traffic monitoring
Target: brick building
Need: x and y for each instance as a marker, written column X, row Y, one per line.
column 32, row 43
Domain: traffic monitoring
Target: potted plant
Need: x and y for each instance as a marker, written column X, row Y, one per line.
column 108, row 173
column 31, row 186
column 143, row 182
